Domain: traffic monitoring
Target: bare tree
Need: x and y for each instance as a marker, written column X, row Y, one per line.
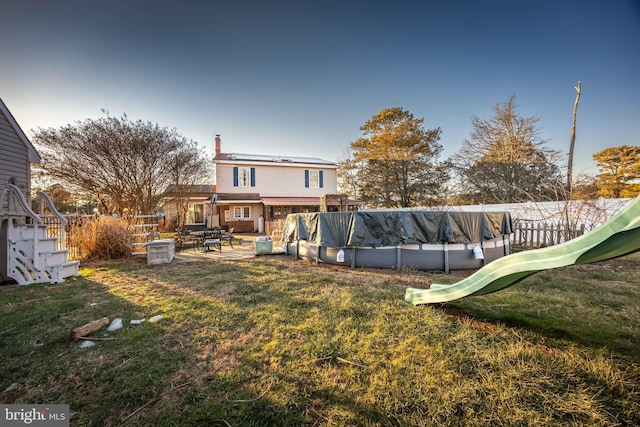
column 504, row 160
column 348, row 174
column 126, row 165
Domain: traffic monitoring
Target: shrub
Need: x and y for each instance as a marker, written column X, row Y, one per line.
column 104, row 237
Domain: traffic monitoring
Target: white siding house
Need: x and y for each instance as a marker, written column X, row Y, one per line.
column 17, row 153
column 190, row 205
column 28, row 252
column 255, row 187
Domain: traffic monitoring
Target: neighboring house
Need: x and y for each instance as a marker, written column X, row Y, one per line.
column 28, row 251
column 252, row 189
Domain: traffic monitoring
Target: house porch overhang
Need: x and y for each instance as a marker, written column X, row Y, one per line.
column 290, row 201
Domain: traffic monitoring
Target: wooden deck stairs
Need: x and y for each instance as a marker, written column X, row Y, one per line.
column 28, row 252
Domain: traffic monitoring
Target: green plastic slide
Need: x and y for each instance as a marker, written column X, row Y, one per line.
column 618, row 237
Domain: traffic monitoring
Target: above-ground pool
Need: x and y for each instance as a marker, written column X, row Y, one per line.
column 424, row 240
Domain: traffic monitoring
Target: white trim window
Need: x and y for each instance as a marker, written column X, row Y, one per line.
column 241, row 212
column 244, row 177
column 313, row 178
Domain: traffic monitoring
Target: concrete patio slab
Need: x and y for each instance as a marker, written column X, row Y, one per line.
column 243, row 248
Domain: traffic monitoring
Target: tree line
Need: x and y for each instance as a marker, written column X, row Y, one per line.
column 120, row 166
column 396, row 163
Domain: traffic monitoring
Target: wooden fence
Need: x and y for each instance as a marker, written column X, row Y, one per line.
column 274, row 227
column 536, row 234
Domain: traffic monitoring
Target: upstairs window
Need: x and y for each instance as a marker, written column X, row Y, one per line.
column 313, row 179
column 244, row 177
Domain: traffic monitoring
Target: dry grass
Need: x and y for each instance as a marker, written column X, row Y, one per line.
column 104, row 237
column 272, row 341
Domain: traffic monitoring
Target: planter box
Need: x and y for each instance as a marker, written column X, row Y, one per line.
column 160, row 251
column 264, row 247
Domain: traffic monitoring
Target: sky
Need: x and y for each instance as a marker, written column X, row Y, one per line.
column 300, row 77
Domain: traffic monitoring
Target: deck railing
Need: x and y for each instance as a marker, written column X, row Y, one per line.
column 55, row 221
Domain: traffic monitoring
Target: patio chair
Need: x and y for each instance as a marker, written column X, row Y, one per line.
column 212, row 238
column 184, row 240
column 227, row 236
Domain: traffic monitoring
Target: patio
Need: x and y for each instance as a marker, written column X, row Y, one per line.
column 243, row 247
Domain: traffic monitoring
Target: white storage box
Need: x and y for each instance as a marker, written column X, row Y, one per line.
column 264, row 245
column 160, row 251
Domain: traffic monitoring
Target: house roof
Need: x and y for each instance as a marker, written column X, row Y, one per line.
column 238, row 198
column 193, row 189
column 33, row 155
column 268, row 158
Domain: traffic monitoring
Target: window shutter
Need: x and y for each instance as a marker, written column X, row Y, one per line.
column 306, row 178
column 253, row 177
column 235, row 176
column 320, row 179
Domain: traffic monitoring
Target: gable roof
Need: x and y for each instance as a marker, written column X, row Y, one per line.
column 33, row 155
column 191, row 189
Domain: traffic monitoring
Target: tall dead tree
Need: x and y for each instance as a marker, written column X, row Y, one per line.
column 573, row 141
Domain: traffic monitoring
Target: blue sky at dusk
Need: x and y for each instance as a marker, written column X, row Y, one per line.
column 301, row 77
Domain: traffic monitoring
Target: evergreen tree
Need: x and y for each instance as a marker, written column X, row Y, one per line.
column 620, row 171
column 395, row 163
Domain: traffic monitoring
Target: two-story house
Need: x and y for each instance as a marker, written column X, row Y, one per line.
column 252, row 188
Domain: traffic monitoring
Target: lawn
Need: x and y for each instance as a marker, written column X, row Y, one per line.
column 274, row 341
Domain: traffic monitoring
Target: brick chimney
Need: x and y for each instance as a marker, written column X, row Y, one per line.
column 218, row 142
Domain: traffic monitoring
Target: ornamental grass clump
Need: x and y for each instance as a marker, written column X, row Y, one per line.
column 104, row 237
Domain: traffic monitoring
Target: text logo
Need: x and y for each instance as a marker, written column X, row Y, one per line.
column 34, row 415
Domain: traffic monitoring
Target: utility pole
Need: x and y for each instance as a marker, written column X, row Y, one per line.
column 573, row 141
